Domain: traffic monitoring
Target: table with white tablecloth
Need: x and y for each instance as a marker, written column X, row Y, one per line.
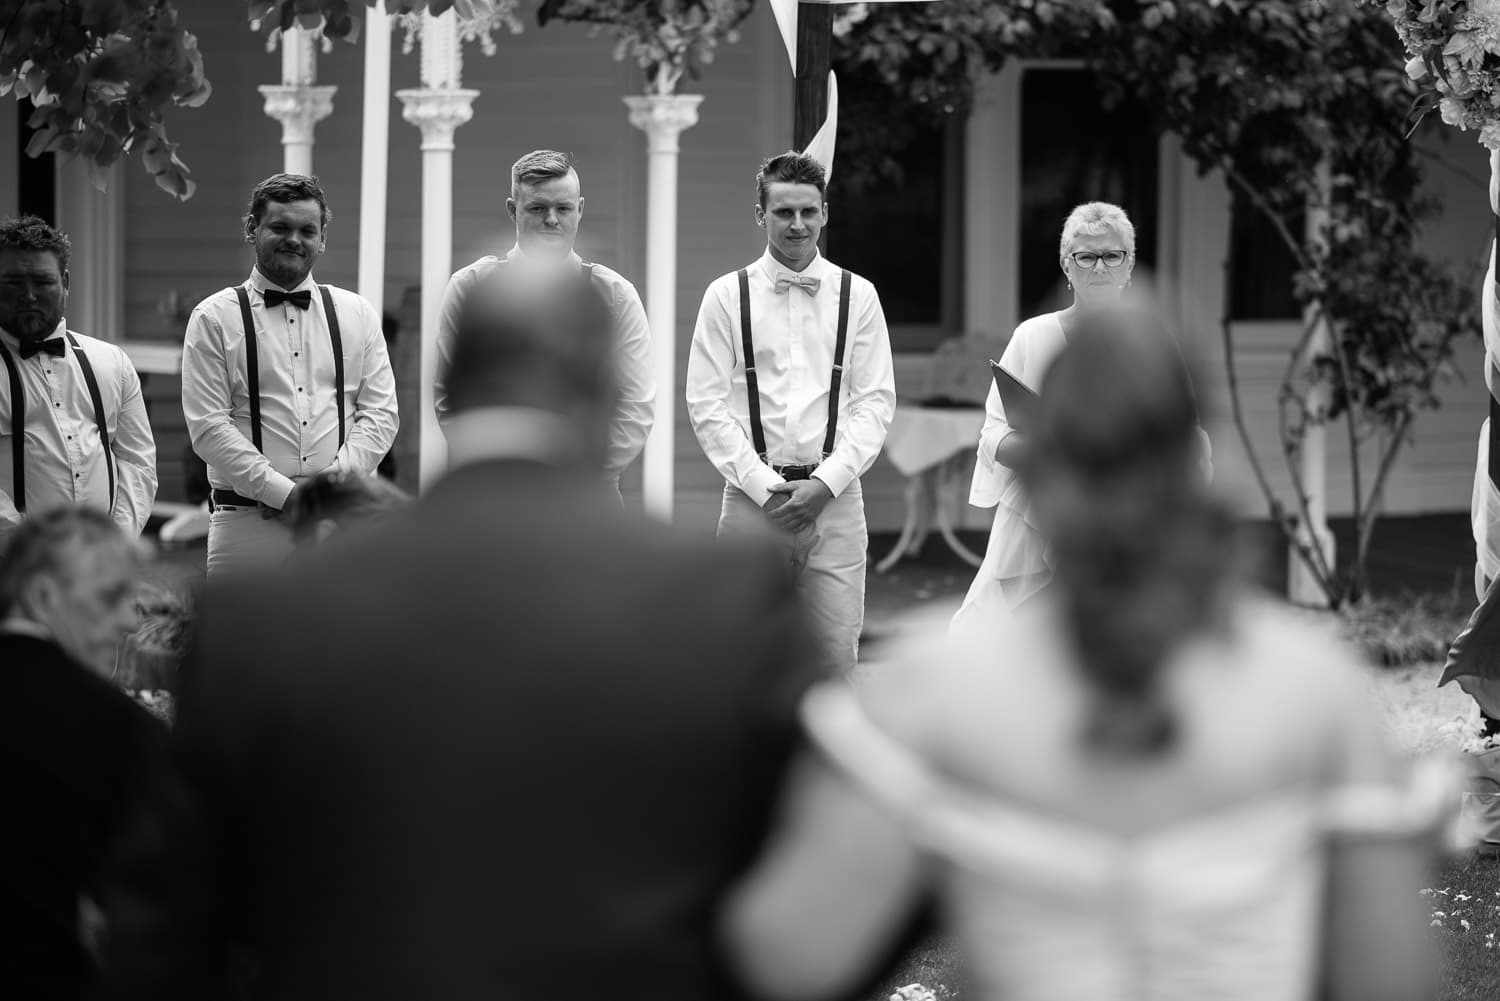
column 933, row 447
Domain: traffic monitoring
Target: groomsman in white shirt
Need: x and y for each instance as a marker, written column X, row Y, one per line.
column 793, row 431
column 73, row 427
column 282, row 378
column 546, row 206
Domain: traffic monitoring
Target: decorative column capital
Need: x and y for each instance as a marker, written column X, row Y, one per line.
column 298, row 107
column 663, row 117
column 438, row 112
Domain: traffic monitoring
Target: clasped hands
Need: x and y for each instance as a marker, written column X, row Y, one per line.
column 795, row 504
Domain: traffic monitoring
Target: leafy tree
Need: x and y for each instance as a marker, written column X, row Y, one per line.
column 1301, row 104
column 100, row 75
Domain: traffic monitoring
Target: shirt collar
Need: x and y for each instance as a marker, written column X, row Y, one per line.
column 260, row 282
column 818, row 267
column 516, row 251
column 509, row 433
column 12, row 342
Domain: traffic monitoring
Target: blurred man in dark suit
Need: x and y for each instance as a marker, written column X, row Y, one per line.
column 507, row 743
column 77, row 750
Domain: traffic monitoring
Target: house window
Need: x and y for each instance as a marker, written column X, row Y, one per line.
column 1073, row 150
column 906, row 236
column 1261, row 268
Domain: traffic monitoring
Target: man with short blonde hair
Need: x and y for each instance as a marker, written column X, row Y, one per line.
column 546, row 206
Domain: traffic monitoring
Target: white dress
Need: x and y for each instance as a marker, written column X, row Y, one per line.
column 1015, row 564
column 1225, row 905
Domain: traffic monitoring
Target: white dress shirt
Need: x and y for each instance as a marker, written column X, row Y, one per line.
column 794, row 334
column 1015, row 548
column 64, row 458
column 635, row 377
column 299, row 419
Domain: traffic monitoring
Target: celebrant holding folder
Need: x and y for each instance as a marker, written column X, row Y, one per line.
column 1097, row 256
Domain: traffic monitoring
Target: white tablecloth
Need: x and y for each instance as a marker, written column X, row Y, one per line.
column 922, row 437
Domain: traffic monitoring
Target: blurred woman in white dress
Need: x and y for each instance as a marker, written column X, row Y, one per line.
column 1143, row 784
column 1097, row 256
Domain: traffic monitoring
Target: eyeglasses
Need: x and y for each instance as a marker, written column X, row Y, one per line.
column 1088, row 259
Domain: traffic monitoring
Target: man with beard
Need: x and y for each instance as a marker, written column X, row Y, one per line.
column 282, row 378
column 73, row 427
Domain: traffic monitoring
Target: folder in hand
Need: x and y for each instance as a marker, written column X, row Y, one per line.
column 1022, row 404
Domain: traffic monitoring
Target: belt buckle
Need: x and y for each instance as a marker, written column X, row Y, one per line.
column 796, row 472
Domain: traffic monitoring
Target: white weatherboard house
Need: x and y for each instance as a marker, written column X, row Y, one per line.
column 966, row 243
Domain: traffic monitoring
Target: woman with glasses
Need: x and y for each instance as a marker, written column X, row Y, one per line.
column 1097, row 256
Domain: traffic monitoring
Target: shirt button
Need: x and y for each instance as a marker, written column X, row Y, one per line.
column 296, row 354
column 299, row 389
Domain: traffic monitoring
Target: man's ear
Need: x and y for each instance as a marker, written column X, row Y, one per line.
column 510, row 208
column 65, row 279
column 760, row 214
column 38, row 599
column 580, row 206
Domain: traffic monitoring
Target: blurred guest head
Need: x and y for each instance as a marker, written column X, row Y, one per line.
column 545, row 203
column 1097, row 253
column 536, row 338
column 1140, row 549
column 73, row 572
column 333, row 500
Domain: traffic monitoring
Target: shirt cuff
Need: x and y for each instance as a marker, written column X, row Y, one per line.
column 757, row 486
column 275, row 493
column 834, row 476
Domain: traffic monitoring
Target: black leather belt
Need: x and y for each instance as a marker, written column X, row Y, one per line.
column 228, row 498
column 790, row 473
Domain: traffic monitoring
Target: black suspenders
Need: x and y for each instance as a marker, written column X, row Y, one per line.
column 752, row 386
column 252, row 361
column 18, row 422
column 17, row 430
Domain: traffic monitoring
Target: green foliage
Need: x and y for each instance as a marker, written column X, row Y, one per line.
column 100, row 74
column 341, row 19
column 1301, row 105
column 666, row 38
column 1298, row 103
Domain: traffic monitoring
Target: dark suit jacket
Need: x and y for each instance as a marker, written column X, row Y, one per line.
column 76, row 752
column 508, row 744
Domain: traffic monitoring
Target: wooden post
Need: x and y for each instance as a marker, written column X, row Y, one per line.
column 814, row 59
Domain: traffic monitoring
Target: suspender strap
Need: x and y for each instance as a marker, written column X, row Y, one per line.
column 99, row 421
column 838, row 364
column 252, row 365
column 17, row 431
column 338, row 357
column 752, row 386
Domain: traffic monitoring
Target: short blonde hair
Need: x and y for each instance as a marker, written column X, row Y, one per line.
column 1096, row 219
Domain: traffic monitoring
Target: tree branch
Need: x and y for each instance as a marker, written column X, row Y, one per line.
column 1387, row 461
column 1237, row 410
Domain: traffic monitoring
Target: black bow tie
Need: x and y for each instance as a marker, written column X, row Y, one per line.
column 275, row 297
column 52, row 346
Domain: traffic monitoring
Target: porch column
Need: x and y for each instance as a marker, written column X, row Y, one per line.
column 297, row 103
column 438, row 108
column 663, row 117
column 375, row 143
column 95, row 223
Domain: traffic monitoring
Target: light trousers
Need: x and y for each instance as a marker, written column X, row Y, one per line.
column 240, row 539
column 831, row 585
